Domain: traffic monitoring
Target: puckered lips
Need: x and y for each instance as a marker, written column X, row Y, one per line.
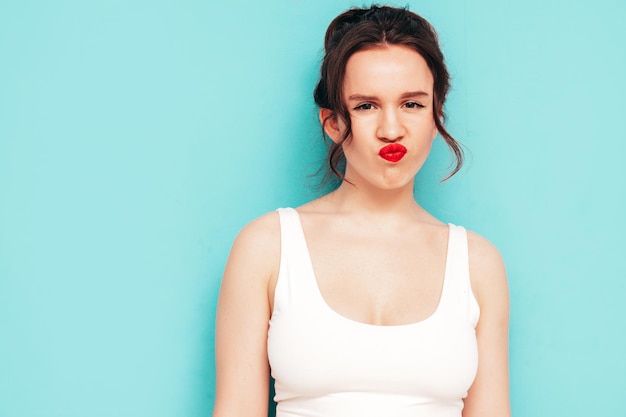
column 392, row 152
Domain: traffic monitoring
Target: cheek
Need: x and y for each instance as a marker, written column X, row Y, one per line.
column 360, row 128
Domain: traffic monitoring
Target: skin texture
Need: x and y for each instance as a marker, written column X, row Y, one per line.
column 367, row 239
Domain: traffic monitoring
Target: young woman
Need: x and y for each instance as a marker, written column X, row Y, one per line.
column 360, row 303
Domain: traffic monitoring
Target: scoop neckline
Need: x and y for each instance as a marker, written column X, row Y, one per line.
column 331, row 311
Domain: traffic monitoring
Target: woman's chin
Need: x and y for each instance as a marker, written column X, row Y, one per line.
column 395, row 180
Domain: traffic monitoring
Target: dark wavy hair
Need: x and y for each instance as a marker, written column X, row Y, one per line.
column 361, row 28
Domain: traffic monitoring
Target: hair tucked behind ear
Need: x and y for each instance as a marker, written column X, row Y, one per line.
column 361, row 28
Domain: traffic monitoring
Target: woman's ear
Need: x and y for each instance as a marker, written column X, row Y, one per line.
column 330, row 125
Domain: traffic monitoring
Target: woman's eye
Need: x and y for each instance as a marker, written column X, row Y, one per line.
column 413, row 105
column 364, row 106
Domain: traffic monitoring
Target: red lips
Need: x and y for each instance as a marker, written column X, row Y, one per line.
column 392, row 152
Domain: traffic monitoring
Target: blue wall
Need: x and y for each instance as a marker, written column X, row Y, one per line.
column 138, row 137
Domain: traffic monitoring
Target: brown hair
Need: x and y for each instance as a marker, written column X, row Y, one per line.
column 357, row 29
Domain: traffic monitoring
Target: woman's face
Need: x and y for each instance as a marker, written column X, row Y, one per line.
column 389, row 94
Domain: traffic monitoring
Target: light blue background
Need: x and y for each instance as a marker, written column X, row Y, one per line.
column 138, row 137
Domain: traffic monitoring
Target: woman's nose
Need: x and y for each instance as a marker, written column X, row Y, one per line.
column 389, row 127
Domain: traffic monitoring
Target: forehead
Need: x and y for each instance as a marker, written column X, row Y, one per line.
column 387, row 69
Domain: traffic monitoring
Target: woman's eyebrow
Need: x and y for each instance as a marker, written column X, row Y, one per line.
column 361, row 97
column 412, row 94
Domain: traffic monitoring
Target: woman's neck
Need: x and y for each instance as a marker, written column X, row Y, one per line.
column 375, row 201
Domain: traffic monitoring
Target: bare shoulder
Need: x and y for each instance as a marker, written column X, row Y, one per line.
column 487, row 270
column 257, row 247
column 260, row 233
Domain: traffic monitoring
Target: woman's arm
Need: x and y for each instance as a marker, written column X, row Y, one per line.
column 489, row 394
column 243, row 312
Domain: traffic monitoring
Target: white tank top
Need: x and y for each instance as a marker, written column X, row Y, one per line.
column 326, row 365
